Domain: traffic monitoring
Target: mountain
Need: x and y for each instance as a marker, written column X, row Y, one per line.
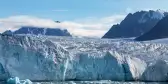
column 135, row 24
column 39, row 31
column 160, row 30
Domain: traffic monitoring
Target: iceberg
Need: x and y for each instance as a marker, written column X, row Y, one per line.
column 16, row 80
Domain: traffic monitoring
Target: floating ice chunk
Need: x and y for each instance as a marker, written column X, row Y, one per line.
column 16, row 80
column 27, row 81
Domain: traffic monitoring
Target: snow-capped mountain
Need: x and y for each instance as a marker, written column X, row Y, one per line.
column 68, row 58
column 160, row 30
column 135, row 24
column 39, row 31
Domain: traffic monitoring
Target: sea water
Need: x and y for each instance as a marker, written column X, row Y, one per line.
column 100, row 82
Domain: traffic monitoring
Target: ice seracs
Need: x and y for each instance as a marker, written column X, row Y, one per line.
column 158, row 71
column 64, row 58
column 135, row 68
column 133, row 58
column 32, row 58
column 107, row 67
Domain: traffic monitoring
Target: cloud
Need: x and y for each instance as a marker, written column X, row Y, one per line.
column 60, row 10
column 15, row 22
column 103, row 23
column 91, row 26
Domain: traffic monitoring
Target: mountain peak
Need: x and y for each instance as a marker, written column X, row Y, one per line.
column 39, row 31
column 151, row 14
column 136, row 24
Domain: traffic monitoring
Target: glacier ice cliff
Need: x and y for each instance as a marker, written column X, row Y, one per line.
column 98, row 68
column 86, row 59
column 32, row 58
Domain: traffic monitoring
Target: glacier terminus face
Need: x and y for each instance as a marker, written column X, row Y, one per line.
column 51, row 58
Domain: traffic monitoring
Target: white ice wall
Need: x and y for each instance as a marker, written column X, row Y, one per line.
column 37, row 58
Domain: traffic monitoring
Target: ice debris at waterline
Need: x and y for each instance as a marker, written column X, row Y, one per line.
column 16, row 80
column 42, row 58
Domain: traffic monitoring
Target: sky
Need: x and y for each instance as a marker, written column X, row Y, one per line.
column 80, row 17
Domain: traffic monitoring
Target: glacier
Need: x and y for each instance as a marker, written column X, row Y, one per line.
column 51, row 58
column 32, row 58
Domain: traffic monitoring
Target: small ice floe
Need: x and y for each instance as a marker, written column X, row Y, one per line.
column 16, row 80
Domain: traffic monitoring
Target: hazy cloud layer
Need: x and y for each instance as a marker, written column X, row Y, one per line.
column 62, row 10
column 91, row 26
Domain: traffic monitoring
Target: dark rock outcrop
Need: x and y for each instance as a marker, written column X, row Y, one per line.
column 135, row 24
column 39, row 31
column 157, row 32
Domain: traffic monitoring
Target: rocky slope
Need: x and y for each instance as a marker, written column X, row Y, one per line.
column 159, row 31
column 135, row 24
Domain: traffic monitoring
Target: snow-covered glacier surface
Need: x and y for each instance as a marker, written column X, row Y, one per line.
column 42, row 58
